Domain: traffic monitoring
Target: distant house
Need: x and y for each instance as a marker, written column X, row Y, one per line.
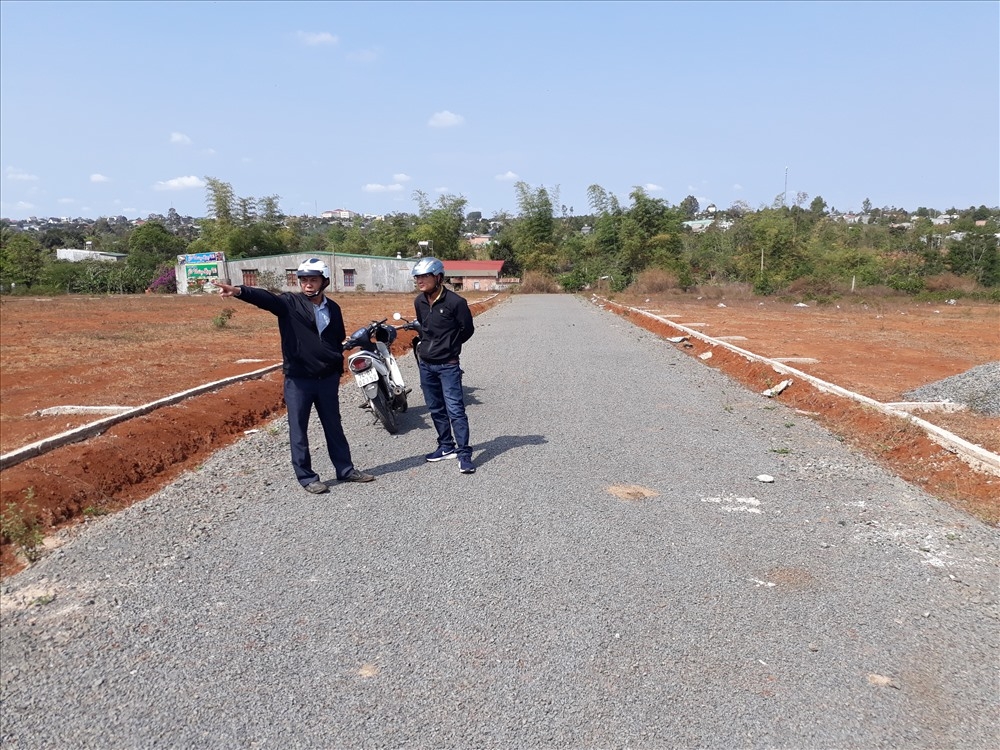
column 75, row 256
column 699, row 225
column 339, row 213
column 473, row 275
column 852, row 218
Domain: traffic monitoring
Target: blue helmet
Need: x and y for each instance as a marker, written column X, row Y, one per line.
column 428, row 265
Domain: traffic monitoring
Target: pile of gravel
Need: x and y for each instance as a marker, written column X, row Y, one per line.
column 978, row 388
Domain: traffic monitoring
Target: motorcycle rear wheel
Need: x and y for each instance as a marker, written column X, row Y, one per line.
column 380, row 405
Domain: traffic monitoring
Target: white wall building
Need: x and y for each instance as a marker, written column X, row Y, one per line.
column 348, row 272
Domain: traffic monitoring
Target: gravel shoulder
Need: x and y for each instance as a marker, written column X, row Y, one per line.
column 614, row 574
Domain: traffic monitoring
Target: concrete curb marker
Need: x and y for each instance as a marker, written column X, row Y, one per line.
column 96, row 428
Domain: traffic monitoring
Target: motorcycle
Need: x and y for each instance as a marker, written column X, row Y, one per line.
column 376, row 371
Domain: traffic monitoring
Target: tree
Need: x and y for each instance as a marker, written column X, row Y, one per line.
column 689, row 207
column 648, row 214
column 817, row 207
column 152, row 245
column 392, row 235
column 976, row 255
column 441, row 224
column 21, row 261
column 866, row 206
column 221, row 200
column 534, row 234
column 598, row 200
column 738, row 209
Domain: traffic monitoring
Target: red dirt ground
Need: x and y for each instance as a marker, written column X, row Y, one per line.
column 132, row 350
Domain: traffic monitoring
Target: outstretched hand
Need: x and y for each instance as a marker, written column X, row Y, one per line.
column 227, row 290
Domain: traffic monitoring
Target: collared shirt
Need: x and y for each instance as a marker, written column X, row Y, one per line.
column 322, row 313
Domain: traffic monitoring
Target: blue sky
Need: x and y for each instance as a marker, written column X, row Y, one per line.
column 124, row 108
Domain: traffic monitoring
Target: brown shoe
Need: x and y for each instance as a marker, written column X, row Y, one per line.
column 358, row 476
column 316, row 488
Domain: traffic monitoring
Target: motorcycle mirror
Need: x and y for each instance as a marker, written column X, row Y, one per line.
column 397, row 316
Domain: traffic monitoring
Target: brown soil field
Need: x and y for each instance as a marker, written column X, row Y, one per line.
column 133, row 350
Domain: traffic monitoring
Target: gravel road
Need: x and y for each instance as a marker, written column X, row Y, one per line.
column 614, row 575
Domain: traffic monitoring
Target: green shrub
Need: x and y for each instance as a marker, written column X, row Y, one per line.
column 222, row 319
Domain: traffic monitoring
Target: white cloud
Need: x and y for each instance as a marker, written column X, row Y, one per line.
column 97, row 177
column 363, row 56
column 737, row 186
column 401, row 177
column 24, row 206
column 441, row 190
column 445, row 119
column 208, row 151
column 507, row 176
column 374, row 187
column 67, row 200
column 315, row 38
column 13, row 173
column 652, row 187
column 180, row 183
column 180, row 139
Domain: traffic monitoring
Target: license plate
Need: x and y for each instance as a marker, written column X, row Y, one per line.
column 368, row 376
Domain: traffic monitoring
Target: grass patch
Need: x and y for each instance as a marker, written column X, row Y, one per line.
column 21, row 527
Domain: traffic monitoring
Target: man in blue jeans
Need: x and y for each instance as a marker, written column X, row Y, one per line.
column 445, row 324
column 312, row 335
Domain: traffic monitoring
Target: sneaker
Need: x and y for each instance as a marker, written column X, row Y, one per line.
column 316, row 488
column 358, row 476
column 466, row 466
column 441, row 454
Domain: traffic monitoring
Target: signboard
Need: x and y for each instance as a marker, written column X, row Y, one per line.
column 201, row 272
column 199, row 269
column 202, row 258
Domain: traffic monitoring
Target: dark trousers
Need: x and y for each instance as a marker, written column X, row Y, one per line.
column 442, row 388
column 301, row 395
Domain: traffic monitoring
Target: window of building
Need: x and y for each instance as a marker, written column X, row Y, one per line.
column 249, row 277
column 348, row 278
column 291, row 278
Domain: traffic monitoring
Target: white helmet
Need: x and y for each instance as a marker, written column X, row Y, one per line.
column 313, row 267
column 427, row 265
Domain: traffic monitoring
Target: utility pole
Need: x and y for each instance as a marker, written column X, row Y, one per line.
column 784, row 195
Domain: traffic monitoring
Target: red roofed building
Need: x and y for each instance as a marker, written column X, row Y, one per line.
column 473, row 275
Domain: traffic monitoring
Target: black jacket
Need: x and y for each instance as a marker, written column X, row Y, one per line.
column 444, row 326
column 305, row 353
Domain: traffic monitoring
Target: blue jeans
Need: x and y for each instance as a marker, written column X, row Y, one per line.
column 301, row 394
column 442, row 388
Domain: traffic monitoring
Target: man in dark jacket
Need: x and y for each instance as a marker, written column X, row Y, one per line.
column 445, row 324
column 312, row 335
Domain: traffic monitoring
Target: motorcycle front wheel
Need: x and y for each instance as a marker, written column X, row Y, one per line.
column 380, row 405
